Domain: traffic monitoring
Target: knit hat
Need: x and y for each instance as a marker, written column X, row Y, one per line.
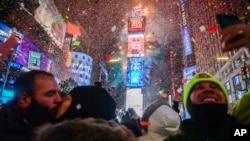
column 90, row 101
column 201, row 77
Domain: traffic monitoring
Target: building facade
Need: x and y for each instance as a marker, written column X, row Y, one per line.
column 204, row 31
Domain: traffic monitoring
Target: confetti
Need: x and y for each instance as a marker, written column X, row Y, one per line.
column 103, row 27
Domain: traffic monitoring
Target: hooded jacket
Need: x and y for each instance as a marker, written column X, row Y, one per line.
column 241, row 110
column 188, row 133
column 163, row 121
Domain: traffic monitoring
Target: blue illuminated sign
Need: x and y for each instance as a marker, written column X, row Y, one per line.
column 135, row 77
column 15, row 65
column 186, row 42
column 4, row 32
column 6, row 95
column 2, row 39
column 5, row 28
column 188, row 72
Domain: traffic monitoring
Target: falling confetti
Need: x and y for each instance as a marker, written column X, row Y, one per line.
column 59, row 21
column 104, row 23
column 113, row 28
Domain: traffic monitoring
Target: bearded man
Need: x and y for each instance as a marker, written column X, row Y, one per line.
column 36, row 100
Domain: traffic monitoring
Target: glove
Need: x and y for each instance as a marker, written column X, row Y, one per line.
column 241, row 110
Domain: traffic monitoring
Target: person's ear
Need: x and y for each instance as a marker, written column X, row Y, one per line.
column 23, row 100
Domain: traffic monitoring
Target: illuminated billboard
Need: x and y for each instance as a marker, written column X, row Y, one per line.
column 134, row 100
column 8, row 40
column 30, row 56
column 34, row 60
column 188, row 72
column 15, row 70
column 135, row 75
column 136, row 24
column 186, row 42
column 81, row 67
column 7, row 95
column 4, row 29
column 50, row 19
column 137, row 12
column 135, row 45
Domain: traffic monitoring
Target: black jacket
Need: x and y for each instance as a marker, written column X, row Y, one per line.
column 12, row 126
column 188, row 133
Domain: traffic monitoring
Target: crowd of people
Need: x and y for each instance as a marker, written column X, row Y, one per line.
column 38, row 111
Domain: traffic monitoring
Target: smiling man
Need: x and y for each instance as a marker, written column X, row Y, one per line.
column 206, row 99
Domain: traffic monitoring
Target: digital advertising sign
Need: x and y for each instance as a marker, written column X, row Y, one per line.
column 30, row 56
column 135, row 45
column 186, row 42
column 136, row 24
column 15, row 70
column 81, row 67
column 34, row 60
column 188, row 72
column 8, row 40
column 7, row 95
column 137, row 12
column 4, row 29
column 134, row 99
column 50, row 19
column 135, row 75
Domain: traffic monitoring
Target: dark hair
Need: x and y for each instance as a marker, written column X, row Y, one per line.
column 26, row 82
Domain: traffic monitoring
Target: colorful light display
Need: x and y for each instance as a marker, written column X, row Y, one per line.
column 30, row 56
column 135, row 73
column 81, row 67
column 135, row 45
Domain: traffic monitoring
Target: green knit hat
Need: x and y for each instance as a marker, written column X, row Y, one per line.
column 201, row 77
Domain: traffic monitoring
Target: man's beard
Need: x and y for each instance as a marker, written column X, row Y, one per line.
column 38, row 114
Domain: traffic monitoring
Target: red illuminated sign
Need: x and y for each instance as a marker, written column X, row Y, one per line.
column 136, row 24
column 135, row 45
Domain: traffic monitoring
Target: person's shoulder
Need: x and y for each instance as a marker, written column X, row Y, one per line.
column 8, row 110
column 3, row 108
column 241, row 111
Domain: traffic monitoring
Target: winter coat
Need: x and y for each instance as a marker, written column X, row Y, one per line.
column 163, row 122
column 241, row 110
column 188, row 133
column 12, row 126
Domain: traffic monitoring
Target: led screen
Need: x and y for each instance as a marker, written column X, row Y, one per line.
column 7, row 95
column 81, row 67
column 30, row 56
column 188, row 72
column 134, row 100
column 15, row 70
column 135, row 45
column 51, row 20
column 136, row 24
column 5, row 32
column 135, row 76
column 5, row 28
